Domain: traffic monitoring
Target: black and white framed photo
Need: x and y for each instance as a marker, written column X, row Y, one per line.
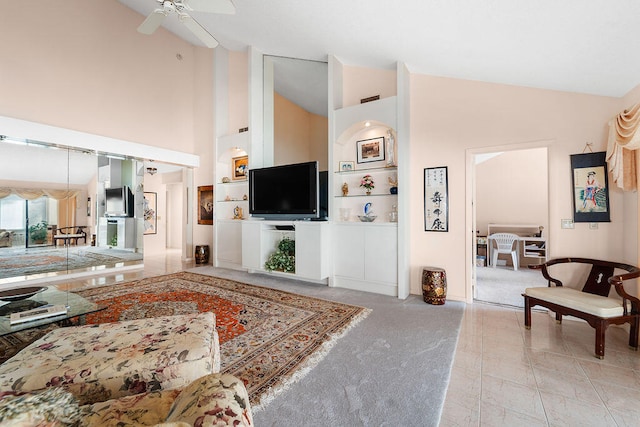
column 590, row 187
column 370, row 150
column 436, row 199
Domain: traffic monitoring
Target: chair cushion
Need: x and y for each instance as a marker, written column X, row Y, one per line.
column 110, row 360
column 585, row 302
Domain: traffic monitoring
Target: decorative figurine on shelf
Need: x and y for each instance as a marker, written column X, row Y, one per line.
column 393, row 185
column 245, row 197
column 228, row 198
column 368, row 213
column 391, row 150
column 225, row 180
column 367, row 209
column 367, row 183
column 345, row 189
column 237, row 212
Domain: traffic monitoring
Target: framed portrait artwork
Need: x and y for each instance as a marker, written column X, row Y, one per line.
column 590, row 185
column 205, row 204
column 150, row 213
column 239, row 168
column 370, row 150
column 436, row 199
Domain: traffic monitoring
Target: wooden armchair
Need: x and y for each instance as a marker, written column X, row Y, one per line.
column 592, row 303
column 68, row 234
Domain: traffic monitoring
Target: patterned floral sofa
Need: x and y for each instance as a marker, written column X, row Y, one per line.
column 111, row 360
column 213, row 400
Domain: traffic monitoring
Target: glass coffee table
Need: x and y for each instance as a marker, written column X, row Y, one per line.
column 76, row 308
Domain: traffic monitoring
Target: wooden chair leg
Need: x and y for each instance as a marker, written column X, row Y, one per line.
column 601, row 327
column 527, row 313
column 633, row 333
column 558, row 318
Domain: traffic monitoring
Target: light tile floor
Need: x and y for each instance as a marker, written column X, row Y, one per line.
column 505, row 375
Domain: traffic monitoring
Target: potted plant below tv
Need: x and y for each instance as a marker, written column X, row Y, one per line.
column 38, row 232
column 284, row 258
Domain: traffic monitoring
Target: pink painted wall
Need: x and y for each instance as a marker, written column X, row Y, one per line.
column 238, row 91
column 360, row 82
column 512, row 189
column 450, row 116
column 83, row 66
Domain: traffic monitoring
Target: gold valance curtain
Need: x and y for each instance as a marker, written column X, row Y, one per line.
column 34, row 193
column 622, row 148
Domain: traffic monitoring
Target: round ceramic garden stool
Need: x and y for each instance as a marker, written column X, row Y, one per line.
column 434, row 285
column 202, row 254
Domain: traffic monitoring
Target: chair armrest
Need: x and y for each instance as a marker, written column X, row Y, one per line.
column 545, row 272
column 618, row 282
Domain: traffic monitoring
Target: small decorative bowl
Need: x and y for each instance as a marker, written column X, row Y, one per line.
column 367, row 218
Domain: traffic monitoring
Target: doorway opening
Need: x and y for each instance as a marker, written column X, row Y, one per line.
column 509, row 196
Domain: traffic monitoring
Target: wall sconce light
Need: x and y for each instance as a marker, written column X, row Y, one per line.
column 152, row 171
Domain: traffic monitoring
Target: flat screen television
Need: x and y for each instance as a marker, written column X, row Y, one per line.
column 288, row 192
column 118, row 202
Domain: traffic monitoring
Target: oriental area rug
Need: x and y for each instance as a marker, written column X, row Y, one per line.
column 268, row 338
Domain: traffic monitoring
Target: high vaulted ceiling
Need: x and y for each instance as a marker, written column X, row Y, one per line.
column 585, row 46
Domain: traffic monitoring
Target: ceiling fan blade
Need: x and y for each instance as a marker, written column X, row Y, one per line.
column 199, row 31
column 152, row 22
column 211, row 6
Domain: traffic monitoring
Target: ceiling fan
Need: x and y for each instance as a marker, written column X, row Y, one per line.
column 182, row 7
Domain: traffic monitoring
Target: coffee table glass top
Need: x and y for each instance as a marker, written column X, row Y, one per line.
column 76, row 306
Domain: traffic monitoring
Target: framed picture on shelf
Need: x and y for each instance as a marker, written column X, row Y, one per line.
column 346, row 166
column 590, row 187
column 239, row 168
column 370, row 150
column 436, row 199
column 150, row 213
column 205, row 204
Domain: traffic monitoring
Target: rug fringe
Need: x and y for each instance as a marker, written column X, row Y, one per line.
column 310, row 363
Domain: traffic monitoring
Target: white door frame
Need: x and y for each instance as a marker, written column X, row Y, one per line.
column 470, row 203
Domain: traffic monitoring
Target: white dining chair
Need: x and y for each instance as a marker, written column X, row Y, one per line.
column 504, row 243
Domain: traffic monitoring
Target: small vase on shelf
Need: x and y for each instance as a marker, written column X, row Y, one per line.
column 368, row 192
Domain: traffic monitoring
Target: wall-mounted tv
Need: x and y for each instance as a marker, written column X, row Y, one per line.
column 119, row 201
column 288, row 192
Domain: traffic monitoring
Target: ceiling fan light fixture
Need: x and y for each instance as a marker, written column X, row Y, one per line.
column 155, row 19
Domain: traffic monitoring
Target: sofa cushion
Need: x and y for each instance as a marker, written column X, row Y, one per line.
column 585, row 302
column 213, row 400
column 145, row 409
column 110, row 360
